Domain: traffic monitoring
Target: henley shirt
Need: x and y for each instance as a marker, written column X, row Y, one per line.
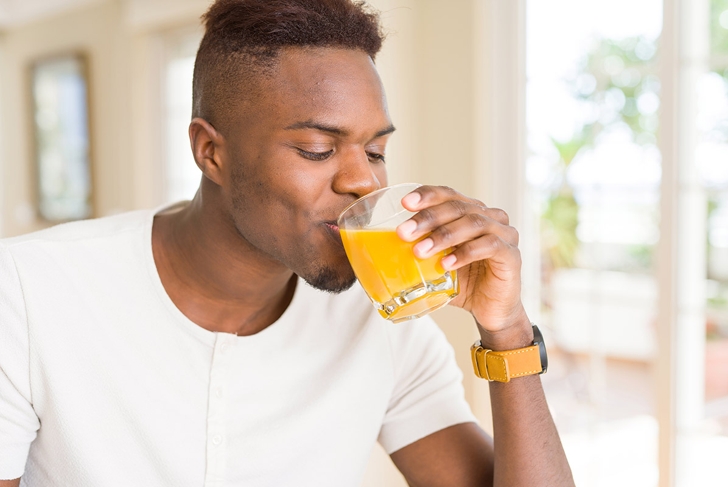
column 105, row 382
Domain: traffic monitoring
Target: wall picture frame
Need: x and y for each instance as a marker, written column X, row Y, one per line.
column 61, row 137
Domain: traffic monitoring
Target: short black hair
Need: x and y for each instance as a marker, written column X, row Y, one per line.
column 243, row 38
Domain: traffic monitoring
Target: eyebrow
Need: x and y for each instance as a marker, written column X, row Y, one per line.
column 309, row 124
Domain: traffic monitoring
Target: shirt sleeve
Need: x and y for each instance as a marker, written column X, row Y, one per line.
column 428, row 394
column 18, row 421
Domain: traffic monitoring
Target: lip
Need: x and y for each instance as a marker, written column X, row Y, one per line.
column 333, row 232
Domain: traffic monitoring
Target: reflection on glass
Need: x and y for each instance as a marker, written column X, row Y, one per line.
column 61, row 139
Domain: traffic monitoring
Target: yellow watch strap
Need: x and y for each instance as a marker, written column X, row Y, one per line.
column 504, row 366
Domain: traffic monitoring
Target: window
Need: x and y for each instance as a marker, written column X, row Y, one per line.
column 593, row 168
column 181, row 174
column 711, row 158
column 627, row 118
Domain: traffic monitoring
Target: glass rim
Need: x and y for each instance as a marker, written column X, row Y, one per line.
column 374, row 193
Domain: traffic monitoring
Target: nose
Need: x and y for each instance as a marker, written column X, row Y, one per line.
column 356, row 175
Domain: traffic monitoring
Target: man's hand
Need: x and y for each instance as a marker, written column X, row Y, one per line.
column 485, row 253
column 527, row 450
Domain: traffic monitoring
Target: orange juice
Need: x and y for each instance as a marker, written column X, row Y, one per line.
column 388, row 269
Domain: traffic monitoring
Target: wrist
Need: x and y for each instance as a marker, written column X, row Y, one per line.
column 517, row 334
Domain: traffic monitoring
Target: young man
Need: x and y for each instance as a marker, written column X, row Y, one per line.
column 215, row 342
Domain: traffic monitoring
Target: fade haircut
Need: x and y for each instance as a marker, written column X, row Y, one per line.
column 243, row 39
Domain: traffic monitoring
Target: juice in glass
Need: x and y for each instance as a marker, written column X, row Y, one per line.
column 400, row 285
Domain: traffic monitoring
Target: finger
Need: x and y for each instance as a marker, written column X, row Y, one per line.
column 469, row 227
column 430, row 218
column 503, row 258
column 498, row 215
column 427, row 196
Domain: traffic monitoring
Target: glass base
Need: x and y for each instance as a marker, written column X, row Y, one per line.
column 420, row 300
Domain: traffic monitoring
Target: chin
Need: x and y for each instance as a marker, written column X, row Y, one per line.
column 329, row 280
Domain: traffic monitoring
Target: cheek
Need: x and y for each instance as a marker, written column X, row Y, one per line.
column 255, row 181
column 381, row 172
column 252, row 199
column 276, row 194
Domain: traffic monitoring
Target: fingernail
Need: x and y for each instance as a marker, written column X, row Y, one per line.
column 448, row 261
column 411, row 199
column 424, row 247
column 407, row 228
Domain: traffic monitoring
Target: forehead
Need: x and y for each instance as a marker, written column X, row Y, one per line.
column 327, row 84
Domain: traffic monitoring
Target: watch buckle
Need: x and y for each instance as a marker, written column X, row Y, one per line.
column 478, row 355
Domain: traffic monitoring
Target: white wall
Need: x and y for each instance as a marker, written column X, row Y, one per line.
column 94, row 30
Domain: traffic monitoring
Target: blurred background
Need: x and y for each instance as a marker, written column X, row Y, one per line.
column 601, row 126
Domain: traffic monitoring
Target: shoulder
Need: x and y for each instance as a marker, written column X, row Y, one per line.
column 76, row 250
column 82, row 230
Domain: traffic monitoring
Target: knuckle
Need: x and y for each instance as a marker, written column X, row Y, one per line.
column 448, row 190
column 458, row 206
column 517, row 258
column 515, row 236
column 477, row 220
column 516, row 253
column 425, row 216
column 467, row 251
column 443, row 234
column 493, row 242
column 501, row 216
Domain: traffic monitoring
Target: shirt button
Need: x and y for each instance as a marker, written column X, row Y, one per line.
column 216, row 440
column 224, row 347
column 218, row 392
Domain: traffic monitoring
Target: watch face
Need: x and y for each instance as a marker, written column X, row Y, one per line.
column 538, row 340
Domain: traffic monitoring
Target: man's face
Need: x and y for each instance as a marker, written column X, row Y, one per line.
column 298, row 155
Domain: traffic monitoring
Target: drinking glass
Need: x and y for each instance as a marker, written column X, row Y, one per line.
column 400, row 285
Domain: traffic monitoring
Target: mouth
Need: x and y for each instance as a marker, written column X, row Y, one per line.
column 333, row 232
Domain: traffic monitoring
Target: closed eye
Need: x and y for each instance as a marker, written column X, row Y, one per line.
column 375, row 156
column 315, row 156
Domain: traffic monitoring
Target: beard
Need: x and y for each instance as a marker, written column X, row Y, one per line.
column 328, row 280
column 333, row 274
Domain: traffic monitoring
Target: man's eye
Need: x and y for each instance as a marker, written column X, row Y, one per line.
column 375, row 156
column 315, row 156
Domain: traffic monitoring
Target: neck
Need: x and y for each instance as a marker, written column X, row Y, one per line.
column 214, row 276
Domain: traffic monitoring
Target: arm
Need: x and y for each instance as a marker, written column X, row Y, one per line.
column 461, row 455
column 526, row 450
column 18, row 421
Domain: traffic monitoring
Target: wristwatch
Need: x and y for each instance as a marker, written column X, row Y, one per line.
column 505, row 365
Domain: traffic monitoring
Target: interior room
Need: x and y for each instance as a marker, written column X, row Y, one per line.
column 600, row 126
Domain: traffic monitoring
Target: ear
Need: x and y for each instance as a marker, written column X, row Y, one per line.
column 207, row 146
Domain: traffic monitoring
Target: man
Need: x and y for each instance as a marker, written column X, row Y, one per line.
column 215, row 343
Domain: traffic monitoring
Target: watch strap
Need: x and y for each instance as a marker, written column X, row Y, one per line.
column 502, row 366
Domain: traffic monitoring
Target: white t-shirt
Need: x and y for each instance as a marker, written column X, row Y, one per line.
column 104, row 382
